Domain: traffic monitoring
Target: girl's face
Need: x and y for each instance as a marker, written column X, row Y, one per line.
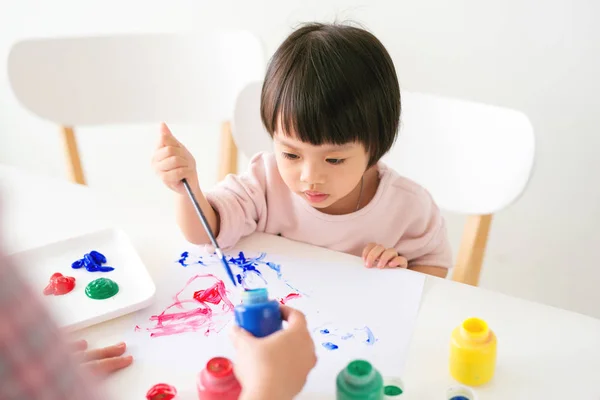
column 328, row 176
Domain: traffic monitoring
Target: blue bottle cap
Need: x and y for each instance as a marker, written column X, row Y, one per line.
column 255, row 296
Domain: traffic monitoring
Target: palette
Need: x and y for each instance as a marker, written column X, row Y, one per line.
column 75, row 310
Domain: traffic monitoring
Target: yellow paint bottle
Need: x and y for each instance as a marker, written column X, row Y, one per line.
column 473, row 352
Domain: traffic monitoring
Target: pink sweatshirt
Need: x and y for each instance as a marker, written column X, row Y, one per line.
column 402, row 215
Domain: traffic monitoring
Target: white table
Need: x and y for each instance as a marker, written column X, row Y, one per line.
column 543, row 352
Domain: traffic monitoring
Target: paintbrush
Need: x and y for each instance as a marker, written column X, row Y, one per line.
column 209, row 231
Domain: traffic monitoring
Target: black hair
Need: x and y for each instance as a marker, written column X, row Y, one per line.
column 334, row 84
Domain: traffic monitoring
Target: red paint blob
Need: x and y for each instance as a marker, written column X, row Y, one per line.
column 289, row 297
column 59, row 284
column 210, row 295
column 161, row 391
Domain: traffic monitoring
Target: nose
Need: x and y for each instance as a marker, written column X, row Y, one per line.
column 311, row 174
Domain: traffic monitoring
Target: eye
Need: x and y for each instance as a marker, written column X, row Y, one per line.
column 335, row 161
column 290, row 156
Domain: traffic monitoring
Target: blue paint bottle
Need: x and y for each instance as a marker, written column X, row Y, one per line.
column 257, row 314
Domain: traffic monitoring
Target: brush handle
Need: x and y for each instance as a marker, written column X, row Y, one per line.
column 201, row 215
column 208, row 230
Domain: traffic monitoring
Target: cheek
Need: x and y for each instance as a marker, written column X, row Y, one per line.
column 288, row 173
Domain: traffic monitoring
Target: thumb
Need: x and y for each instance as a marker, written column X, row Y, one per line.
column 240, row 337
column 166, row 136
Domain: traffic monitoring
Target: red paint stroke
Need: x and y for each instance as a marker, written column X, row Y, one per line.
column 200, row 317
column 289, row 297
column 161, row 391
column 137, row 328
column 210, row 295
column 59, row 284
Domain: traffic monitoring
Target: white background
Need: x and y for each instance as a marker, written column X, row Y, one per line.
column 540, row 57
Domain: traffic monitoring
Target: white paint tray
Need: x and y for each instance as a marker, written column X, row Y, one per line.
column 75, row 310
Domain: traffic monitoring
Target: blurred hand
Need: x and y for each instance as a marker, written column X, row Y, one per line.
column 276, row 366
column 104, row 361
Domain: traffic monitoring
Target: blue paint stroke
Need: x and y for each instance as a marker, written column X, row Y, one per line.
column 459, row 398
column 250, row 278
column 183, row 260
column 347, row 336
column 330, row 346
column 370, row 337
column 324, row 331
column 92, row 262
column 275, row 267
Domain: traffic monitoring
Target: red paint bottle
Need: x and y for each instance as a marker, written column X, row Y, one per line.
column 217, row 381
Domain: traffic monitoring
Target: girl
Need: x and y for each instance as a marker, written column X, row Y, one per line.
column 331, row 102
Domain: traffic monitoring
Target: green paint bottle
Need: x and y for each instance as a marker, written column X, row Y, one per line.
column 359, row 381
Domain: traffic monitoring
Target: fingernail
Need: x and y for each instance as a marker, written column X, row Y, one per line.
column 121, row 345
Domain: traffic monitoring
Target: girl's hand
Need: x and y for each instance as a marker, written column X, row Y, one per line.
column 172, row 162
column 375, row 255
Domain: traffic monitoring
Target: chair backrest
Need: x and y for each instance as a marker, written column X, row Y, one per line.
column 134, row 78
column 473, row 158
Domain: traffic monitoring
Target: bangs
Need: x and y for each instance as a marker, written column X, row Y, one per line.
column 311, row 105
column 328, row 84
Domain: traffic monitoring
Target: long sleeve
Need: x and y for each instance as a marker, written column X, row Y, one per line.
column 240, row 201
column 425, row 240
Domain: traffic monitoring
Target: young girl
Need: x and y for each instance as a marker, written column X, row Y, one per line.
column 331, row 102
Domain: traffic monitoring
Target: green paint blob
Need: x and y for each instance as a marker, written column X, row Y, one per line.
column 101, row 288
column 392, row 390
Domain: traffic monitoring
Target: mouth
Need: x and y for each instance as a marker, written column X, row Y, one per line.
column 315, row 197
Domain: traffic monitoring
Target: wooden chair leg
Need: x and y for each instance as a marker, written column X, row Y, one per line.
column 74, row 162
column 472, row 249
column 228, row 152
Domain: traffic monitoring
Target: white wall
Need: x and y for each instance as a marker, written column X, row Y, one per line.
column 541, row 57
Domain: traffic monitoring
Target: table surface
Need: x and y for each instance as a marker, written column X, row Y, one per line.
column 543, row 352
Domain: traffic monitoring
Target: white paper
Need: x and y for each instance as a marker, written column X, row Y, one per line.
column 369, row 314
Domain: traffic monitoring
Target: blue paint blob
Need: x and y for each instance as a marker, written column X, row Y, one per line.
column 92, row 262
column 330, row 346
column 324, row 331
column 183, row 260
column 97, row 257
column 459, row 398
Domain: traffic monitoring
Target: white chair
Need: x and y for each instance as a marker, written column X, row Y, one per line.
column 475, row 159
column 135, row 78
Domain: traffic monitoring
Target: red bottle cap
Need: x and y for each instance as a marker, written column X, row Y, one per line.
column 219, row 367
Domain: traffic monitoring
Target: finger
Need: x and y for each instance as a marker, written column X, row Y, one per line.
column 367, row 250
column 78, row 345
column 171, row 163
column 175, row 175
column 239, row 336
column 166, row 137
column 374, row 255
column 106, row 366
column 398, row 262
column 106, row 352
column 295, row 318
column 166, row 152
column 385, row 257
